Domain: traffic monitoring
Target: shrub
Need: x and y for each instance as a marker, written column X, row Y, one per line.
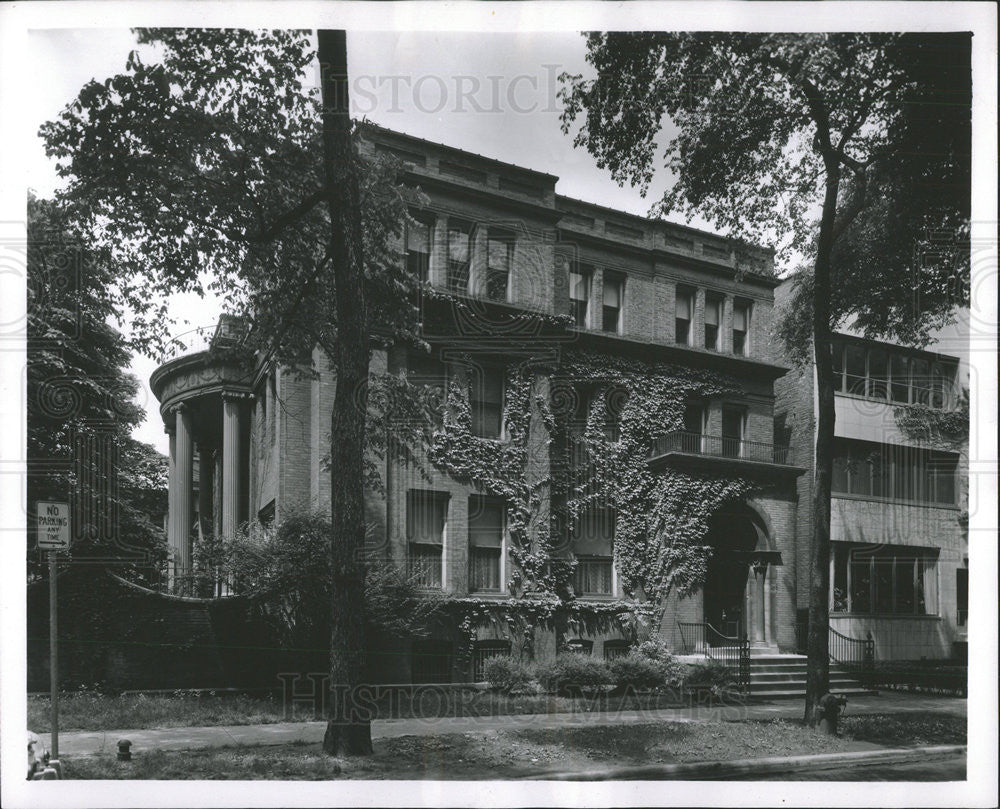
column 710, row 676
column 642, row 672
column 573, row 673
column 653, row 650
column 506, row 675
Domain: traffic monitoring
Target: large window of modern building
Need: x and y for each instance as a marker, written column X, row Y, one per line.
column 894, row 472
column 499, row 259
column 741, row 327
column 593, row 543
column 614, row 295
column 896, row 375
column 459, row 237
column 683, row 308
column 486, row 400
column 713, row 319
column 884, row 579
column 426, row 520
column 579, row 293
column 486, row 535
column 418, row 248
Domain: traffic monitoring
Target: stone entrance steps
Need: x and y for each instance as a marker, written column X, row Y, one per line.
column 783, row 676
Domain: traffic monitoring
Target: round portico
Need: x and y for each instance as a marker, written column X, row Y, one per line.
column 204, row 403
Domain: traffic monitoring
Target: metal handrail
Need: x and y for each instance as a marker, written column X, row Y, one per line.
column 719, row 446
column 858, row 653
column 732, row 652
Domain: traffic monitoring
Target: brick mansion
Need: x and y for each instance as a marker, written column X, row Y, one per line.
column 614, row 390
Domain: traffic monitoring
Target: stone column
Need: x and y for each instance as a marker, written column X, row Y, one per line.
column 726, row 325
column 698, row 319
column 231, row 405
column 171, row 501
column 180, row 523
column 438, row 271
column 758, row 575
column 206, row 489
column 477, row 262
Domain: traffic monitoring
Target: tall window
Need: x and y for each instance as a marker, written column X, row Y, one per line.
column 593, row 540
column 741, row 327
column 418, row 249
column 713, row 317
column 486, row 521
column 432, row 375
column 694, row 427
column 962, row 595
column 682, row 317
column 579, row 293
column 458, row 257
column 884, row 579
column 892, row 374
column 894, row 472
column 614, row 288
column 426, row 514
column 499, row 257
column 733, row 419
column 486, row 401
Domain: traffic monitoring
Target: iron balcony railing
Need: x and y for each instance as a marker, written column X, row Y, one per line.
column 719, row 446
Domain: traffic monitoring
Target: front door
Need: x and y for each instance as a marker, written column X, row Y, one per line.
column 725, row 596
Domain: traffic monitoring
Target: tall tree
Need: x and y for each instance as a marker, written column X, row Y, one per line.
column 851, row 148
column 216, row 168
column 80, row 405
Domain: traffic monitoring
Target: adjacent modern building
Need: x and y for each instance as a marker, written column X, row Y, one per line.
column 556, row 327
column 899, row 514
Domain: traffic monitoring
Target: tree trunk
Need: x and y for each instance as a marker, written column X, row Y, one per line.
column 348, row 730
column 818, row 640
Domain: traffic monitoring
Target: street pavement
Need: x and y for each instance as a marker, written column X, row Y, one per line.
column 83, row 743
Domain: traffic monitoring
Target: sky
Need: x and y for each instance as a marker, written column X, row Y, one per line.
column 490, row 93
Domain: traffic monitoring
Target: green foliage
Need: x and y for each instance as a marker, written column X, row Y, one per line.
column 639, row 671
column 948, row 428
column 572, row 674
column 507, row 675
column 80, row 403
column 710, row 675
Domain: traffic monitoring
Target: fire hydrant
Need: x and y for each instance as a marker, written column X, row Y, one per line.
column 830, row 707
column 124, row 751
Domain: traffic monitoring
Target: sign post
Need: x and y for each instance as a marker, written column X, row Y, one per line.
column 53, row 536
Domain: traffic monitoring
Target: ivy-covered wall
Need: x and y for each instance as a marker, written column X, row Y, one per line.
column 549, row 468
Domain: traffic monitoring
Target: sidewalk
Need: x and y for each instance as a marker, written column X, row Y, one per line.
column 88, row 743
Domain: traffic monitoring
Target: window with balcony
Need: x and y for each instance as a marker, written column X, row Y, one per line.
column 459, row 248
column 579, row 293
column 499, row 259
column 741, row 327
column 614, row 292
column 486, row 535
column 713, row 318
column 593, row 541
column 883, row 579
column 890, row 374
column 894, row 472
column 695, row 420
column 684, row 306
column 418, row 248
column 733, row 424
column 486, row 401
column 426, row 517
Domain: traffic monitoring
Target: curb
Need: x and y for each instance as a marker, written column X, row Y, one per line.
column 718, row 770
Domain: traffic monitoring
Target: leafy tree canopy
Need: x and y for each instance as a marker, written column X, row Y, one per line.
column 756, row 123
column 203, row 172
column 80, row 401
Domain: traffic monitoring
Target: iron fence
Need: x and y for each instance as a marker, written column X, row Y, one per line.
column 719, row 446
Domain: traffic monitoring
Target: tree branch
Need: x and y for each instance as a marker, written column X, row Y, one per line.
column 289, row 217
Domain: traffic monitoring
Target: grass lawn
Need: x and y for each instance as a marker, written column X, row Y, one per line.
column 89, row 710
column 515, row 753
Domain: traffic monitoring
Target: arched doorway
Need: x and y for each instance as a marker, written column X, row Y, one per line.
column 735, row 591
